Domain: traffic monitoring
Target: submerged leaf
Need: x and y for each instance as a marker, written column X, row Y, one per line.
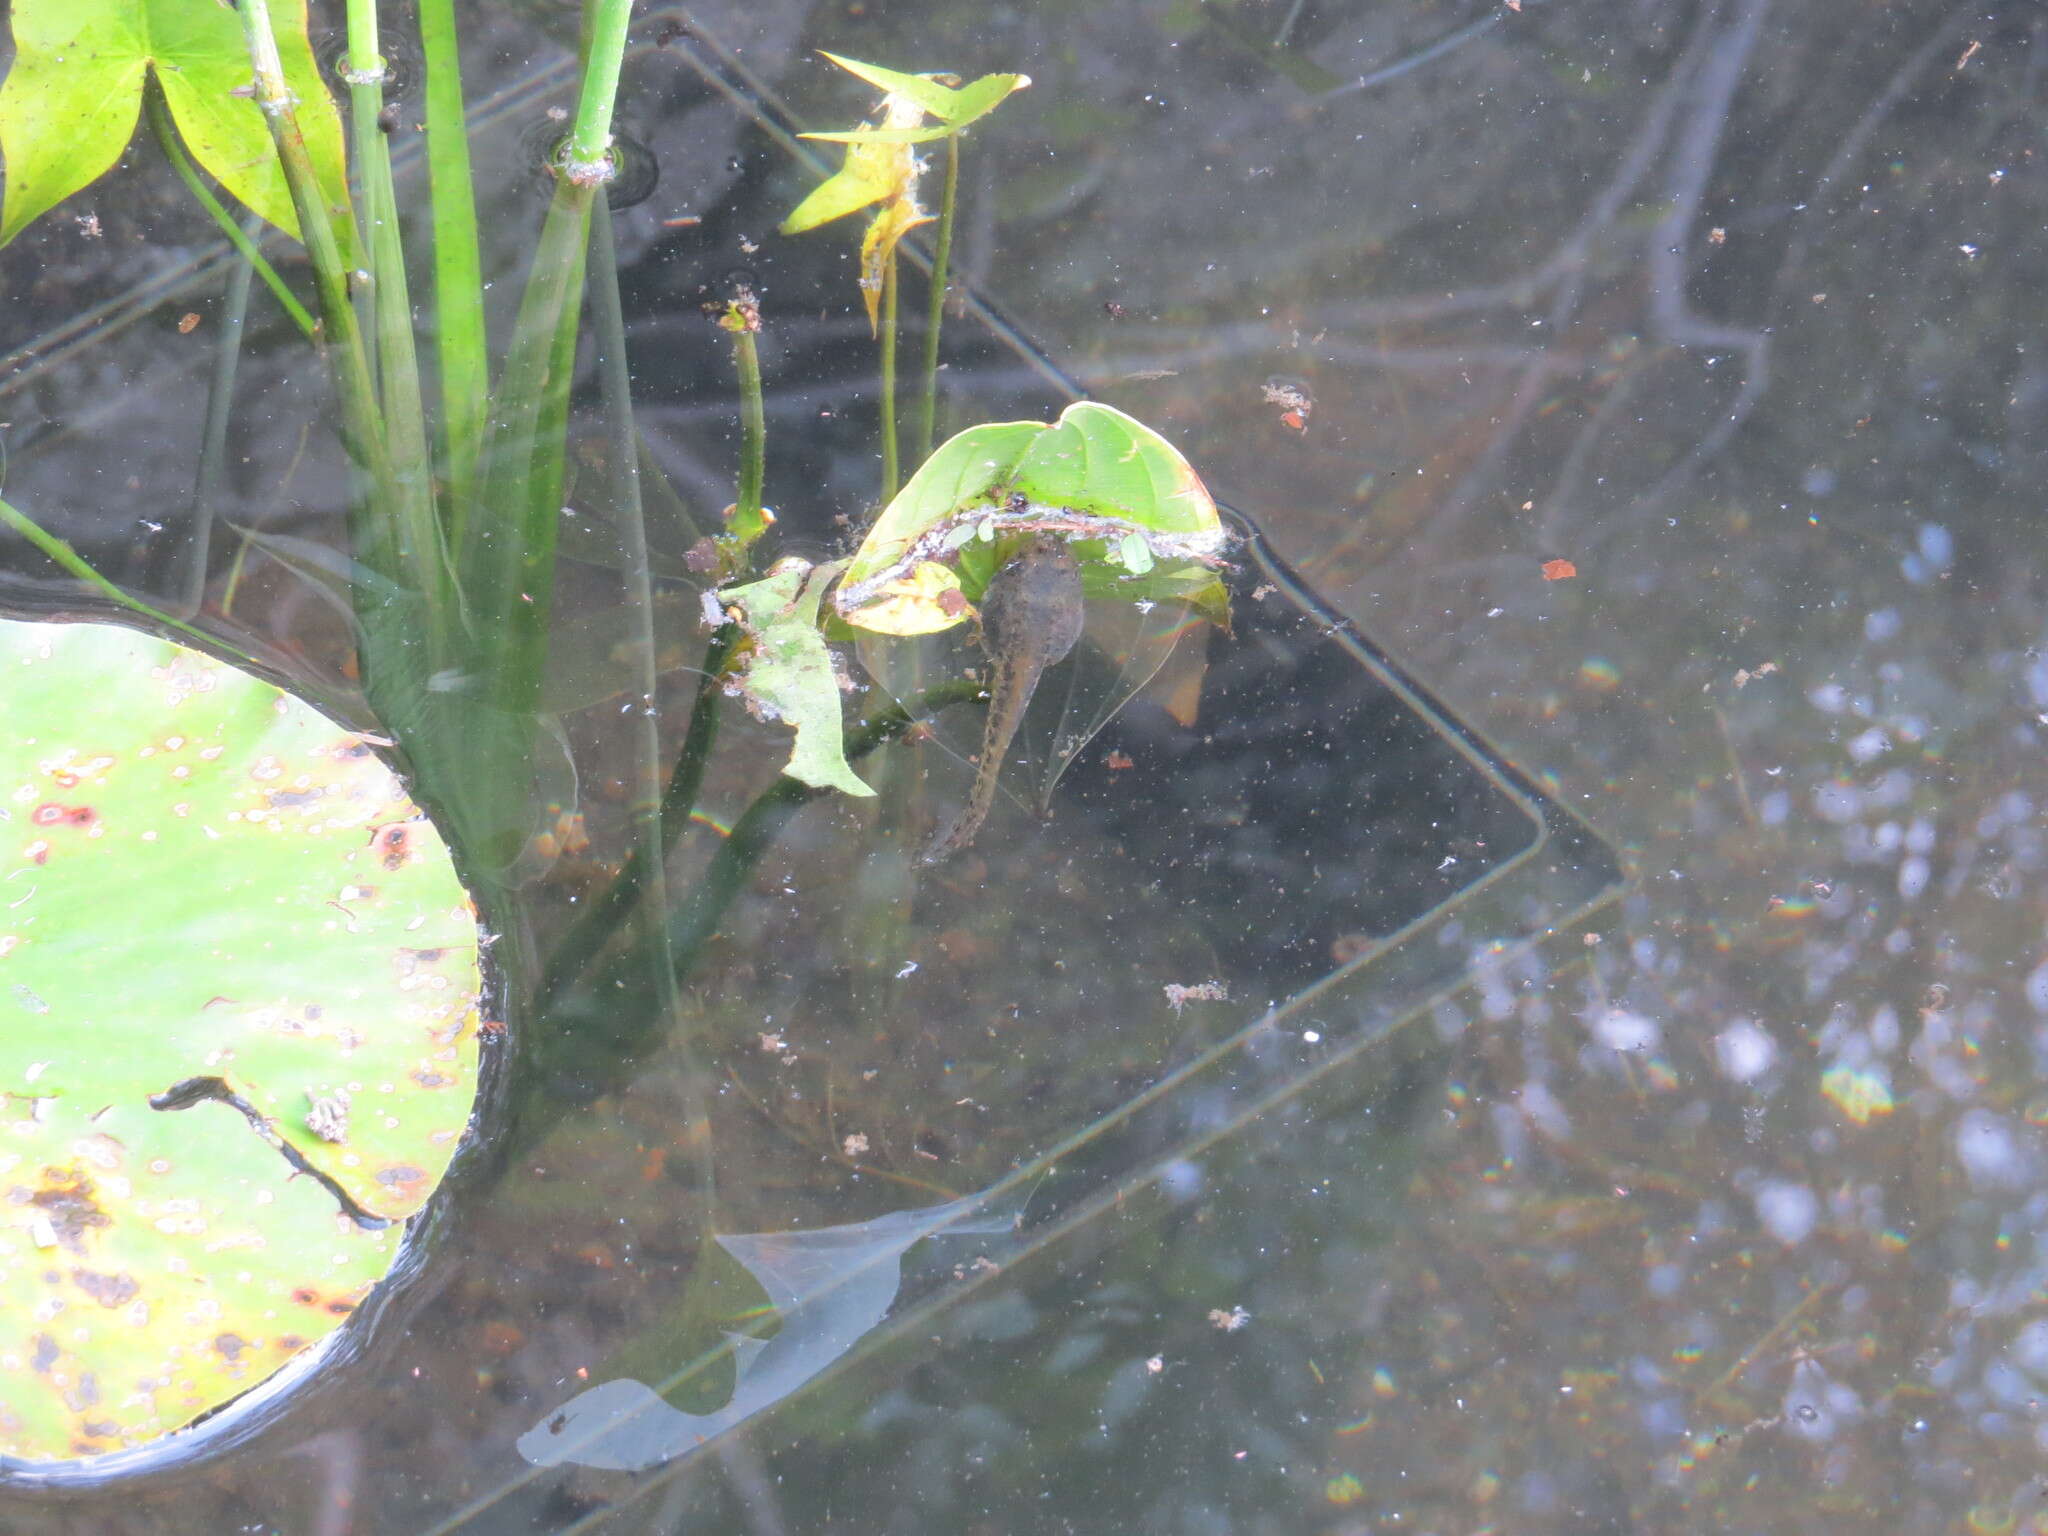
column 829, row 1287
column 787, row 673
column 71, row 99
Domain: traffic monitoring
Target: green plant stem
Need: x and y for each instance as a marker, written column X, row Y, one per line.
column 590, row 135
column 362, row 426
column 755, row 832
column 747, row 519
column 167, row 138
column 71, row 560
column 749, row 838
column 390, row 344
column 459, row 333
column 603, row 917
column 615, row 380
column 942, row 253
column 891, row 470
column 213, row 451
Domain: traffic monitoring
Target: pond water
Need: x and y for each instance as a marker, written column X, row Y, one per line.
column 1542, row 1027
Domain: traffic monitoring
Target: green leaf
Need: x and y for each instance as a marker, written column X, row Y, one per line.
column 1095, row 463
column 211, row 882
column 70, row 102
column 955, row 107
column 1098, row 460
column 788, row 673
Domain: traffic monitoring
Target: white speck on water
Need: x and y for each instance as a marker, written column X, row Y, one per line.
column 1787, row 1210
column 1620, row 1030
column 1745, row 1052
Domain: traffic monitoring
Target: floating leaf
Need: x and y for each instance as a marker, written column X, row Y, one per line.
column 70, row 102
column 240, row 1033
column 788, row 673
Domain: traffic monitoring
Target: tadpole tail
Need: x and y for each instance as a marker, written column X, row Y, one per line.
column 1012, row 691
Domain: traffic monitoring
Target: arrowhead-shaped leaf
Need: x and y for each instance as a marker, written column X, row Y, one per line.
column 70, row 102
column 956, row 107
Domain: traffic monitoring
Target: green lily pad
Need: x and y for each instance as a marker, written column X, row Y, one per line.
column 240, row 985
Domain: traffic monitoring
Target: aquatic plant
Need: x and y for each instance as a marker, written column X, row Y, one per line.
column 459, row 466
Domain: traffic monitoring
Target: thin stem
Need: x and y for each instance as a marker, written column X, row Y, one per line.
column 928, row 411
column 167, row 138
column 459, row 332
column 590, row 136
column 603, row 917
column 71, row 560
column 754, row 831
column 891, row 470
column 213, row 452
column 615, row 381
column 747, row 521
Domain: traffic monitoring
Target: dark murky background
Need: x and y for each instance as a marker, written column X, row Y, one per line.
column 1730, row 1220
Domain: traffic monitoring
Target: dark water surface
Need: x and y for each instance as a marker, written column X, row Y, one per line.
column 1628, row 1106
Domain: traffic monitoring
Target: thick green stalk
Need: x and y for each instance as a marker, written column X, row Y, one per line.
column 753, row 432
column 459, row 335
column 362, row 426
column 392, row 350
column 590, row 135
column 167, row 138
column 747, row 521
column 891, row 470
column 942, row 253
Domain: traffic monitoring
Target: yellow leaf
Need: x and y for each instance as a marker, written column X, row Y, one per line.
column 915, row 604
column 872, row 173
column 878, row 245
